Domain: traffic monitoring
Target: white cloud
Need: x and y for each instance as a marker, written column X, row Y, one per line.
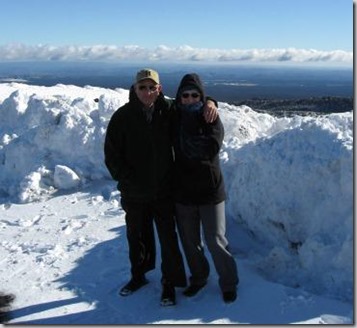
column 19, row 52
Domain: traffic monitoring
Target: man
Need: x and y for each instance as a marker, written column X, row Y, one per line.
column 138, row 154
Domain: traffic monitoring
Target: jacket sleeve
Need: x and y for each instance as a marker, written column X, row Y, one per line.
column 114, row 150
column 216, row 132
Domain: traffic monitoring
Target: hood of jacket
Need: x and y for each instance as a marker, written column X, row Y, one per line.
column 190, row 80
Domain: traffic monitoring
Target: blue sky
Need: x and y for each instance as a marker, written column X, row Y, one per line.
column 322, row 25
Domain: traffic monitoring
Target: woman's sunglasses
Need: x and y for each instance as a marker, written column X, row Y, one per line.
column 188, row 94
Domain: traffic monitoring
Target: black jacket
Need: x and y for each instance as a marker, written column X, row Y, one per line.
column 198, row 177
column 139, row 154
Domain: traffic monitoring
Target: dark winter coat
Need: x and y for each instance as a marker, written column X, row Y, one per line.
column 139, row 154
column 198, row 177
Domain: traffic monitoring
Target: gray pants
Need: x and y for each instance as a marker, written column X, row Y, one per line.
column 213, row 221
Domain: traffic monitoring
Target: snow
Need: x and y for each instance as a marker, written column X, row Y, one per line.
column 62, row 231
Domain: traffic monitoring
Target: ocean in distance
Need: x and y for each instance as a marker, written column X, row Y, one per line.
column 226, row 83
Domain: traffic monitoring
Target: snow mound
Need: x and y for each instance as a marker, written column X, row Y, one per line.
column 289, row 180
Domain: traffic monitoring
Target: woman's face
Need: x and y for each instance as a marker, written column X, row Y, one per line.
column 190, row 97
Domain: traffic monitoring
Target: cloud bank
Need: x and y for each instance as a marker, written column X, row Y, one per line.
column 22, row 52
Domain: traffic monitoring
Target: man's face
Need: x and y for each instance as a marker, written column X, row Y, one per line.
column 147, row 91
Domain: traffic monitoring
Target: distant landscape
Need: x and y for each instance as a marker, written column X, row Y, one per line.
column 304, row 106
column 275, row 89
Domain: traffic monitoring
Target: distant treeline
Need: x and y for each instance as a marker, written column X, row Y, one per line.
column 286, row 107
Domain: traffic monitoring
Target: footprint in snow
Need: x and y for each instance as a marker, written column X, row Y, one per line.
column 30, row 222
column 72, row 226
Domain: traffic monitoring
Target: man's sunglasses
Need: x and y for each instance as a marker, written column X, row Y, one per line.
column 187, row 94
column 147, row 87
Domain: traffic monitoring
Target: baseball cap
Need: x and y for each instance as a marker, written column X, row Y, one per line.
column 148, row 73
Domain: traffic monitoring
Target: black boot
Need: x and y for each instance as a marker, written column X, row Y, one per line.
column 133, row 285
column 168, row 296
column 229, row 297
column 193, row 289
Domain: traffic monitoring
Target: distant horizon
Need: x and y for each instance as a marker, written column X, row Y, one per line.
column 227, row 83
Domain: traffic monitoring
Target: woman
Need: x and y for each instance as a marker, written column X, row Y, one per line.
column 199, row 191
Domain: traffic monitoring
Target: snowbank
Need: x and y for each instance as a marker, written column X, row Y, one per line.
column 289, row 180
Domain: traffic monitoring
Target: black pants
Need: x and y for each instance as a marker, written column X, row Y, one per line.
column 141, row 239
